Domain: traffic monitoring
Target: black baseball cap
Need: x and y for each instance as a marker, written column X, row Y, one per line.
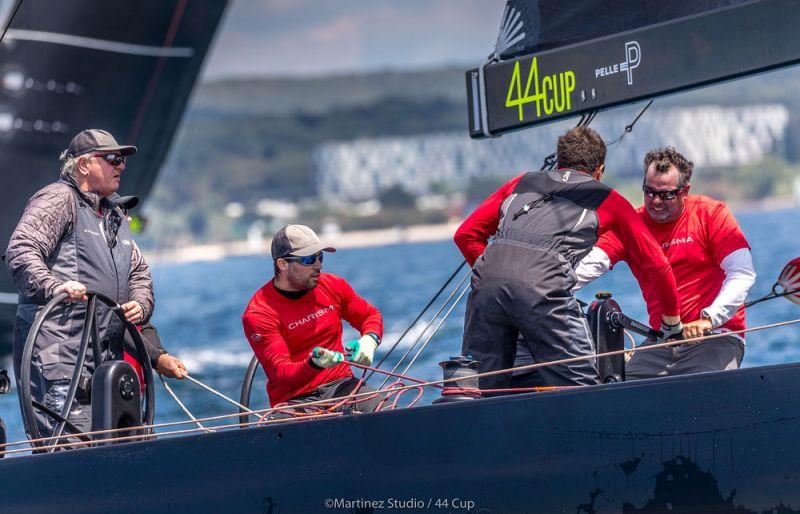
column 96, row 140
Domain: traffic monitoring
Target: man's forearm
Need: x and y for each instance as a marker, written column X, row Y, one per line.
column 140, row 283
column 740, row 275
column 595, row 264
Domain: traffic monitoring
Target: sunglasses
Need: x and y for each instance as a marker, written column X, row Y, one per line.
column 112, row 158
column 306, row 260
column 668, row 194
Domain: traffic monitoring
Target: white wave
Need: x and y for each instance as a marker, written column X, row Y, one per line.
column 389, row 338
column 198, row 359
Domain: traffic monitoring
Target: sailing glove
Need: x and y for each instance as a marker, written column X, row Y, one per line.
column 324, row 358
column 671, row 331
column 361, row 351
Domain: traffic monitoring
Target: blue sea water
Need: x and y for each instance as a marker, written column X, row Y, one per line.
column 199, row 308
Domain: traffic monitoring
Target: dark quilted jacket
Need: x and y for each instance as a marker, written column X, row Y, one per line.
column 49, row 215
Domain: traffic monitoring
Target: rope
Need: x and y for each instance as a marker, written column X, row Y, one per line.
column 141, row 437
column 389, row 373
column 394, row 390
column 629, row 127
column 214, row 391
column 180, row 403
column 771, row 296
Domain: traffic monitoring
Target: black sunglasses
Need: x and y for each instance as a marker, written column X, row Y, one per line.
column 306, row 260
column 112, row 158
column 668, row 194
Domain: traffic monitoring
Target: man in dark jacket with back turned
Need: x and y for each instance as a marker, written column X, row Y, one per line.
column 74, row 236
column 543, row 223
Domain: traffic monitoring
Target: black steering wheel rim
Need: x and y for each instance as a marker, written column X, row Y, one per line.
column 26, row 400
column 247, row 387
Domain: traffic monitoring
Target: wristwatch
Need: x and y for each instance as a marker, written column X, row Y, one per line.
column 704, row 315
column 375, row 337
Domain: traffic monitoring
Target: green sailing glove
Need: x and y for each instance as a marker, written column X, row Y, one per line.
column 361, row 351
column 324, row 358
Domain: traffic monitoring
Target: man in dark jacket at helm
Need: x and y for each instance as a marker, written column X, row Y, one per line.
column 74, row 236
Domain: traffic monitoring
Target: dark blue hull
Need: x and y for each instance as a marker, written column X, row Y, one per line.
column 717, row 442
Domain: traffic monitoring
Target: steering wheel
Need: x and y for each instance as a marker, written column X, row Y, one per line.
column 247, row 386
column 90, row 333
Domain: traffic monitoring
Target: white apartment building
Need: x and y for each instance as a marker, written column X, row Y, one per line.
column 711, row 136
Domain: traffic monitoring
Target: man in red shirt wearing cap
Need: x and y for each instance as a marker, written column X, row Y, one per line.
column 294, row 325
column 711, row 261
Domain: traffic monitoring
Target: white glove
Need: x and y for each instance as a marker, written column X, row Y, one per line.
column 324, row 358
column 361, row 351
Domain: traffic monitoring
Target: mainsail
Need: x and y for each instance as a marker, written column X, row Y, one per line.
column 560, row 59
column 127, row 67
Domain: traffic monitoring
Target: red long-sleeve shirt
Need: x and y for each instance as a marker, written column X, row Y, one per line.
column 283, row 331
column 695, row 245
column 615, row 212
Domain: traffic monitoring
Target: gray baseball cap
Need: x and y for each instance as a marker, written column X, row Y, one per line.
column 96, row 140
column 298, row 240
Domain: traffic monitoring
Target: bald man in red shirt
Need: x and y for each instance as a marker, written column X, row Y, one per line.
column 294, row 325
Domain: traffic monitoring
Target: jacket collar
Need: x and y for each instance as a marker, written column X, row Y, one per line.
column 90, row 197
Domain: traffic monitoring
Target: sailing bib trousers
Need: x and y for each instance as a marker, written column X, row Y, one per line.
column 545, row 221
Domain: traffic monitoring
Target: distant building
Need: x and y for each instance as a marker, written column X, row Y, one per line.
column 711, row 136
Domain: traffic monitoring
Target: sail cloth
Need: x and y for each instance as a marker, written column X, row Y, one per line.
column 550, row 24
column 556, row 59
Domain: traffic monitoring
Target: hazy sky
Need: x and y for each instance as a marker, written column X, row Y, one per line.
column 302, row 37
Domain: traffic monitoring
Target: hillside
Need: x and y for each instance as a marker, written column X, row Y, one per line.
column 245, row 140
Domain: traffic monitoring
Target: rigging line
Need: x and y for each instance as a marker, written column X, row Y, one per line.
column 142, row 437
column 269, row 410
column 160, row 425
column 444, row 318
column 427, row 326
column 391, row 374
column 414, row 386
column 584, row 357
column 771, row 296
column 180, row 403
column 214, row 391
column 10, row 20
column 432, row 383
column 620, row 352
column 667, row 344
column 629, row 128
column 419, row 316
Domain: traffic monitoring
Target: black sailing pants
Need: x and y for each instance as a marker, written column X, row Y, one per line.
column 552, row 325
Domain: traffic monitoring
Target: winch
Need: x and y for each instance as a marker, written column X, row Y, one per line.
column 462, row 370
column 608, row 337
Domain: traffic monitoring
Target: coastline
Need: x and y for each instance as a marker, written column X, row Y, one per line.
column 354, row 239
column 386, row 236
